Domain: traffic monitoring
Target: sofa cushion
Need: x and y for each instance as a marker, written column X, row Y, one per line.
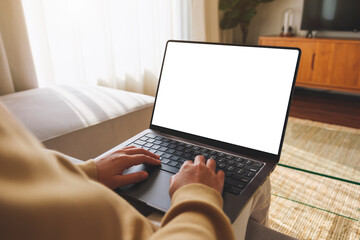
column 81, row 121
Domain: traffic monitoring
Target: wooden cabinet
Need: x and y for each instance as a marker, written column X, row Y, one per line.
column 325, row 63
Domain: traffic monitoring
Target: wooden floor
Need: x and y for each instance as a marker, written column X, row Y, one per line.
column 327, row 107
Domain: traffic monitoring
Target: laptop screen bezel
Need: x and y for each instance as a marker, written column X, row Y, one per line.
column 219, row 144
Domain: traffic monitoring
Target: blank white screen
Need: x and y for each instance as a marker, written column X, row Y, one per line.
column 233, row 94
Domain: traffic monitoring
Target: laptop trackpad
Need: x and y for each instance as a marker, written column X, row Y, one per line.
column 154, row 191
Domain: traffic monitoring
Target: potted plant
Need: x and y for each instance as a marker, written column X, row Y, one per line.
column 238, row 12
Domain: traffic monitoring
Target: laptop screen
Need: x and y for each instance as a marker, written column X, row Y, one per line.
column 234, row 94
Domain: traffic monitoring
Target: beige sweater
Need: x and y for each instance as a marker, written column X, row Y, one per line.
column 43, row 196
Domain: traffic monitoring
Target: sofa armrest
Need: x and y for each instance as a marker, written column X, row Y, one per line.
column 80, row 121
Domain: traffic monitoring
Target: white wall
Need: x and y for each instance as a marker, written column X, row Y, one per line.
column 268, row 22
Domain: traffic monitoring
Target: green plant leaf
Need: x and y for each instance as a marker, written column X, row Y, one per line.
column 228, row 23
column 238, row 12
column 249, row 15
column 232, row 14
column 225, row 5
column 235, row 2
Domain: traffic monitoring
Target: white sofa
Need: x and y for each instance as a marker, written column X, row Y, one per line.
column 80, row 121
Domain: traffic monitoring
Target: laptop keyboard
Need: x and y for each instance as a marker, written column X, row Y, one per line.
column 238, row 171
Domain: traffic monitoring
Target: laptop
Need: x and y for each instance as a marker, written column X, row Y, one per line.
column 226, row 102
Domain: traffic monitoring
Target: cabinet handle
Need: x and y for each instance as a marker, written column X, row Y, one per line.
column 312, row 61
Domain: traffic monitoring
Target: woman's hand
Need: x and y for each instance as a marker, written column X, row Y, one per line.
column 198, row 172
column 110, row 168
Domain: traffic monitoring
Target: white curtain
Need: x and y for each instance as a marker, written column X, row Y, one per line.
column 114, row 43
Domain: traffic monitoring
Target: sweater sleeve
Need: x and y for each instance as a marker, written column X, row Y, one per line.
column 195, row 213
column 89, row 168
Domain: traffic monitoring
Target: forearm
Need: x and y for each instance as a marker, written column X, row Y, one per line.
column 196, row 213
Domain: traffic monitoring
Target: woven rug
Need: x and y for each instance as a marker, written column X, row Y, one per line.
column 309, row 206
column 323, row 148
